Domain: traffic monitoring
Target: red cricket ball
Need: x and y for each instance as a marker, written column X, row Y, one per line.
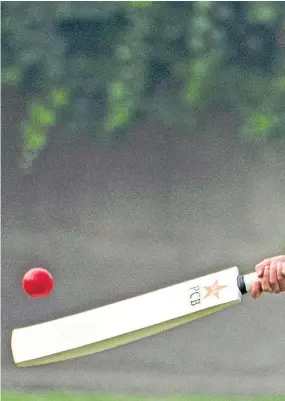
column 37, row 282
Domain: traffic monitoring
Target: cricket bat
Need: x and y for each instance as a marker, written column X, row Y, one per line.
column 128, row 320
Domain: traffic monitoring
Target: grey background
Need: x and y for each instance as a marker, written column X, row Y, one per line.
column 111, row 223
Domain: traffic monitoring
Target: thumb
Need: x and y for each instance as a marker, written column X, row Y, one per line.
column 256, row 290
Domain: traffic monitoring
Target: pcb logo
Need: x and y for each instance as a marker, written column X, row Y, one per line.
column 214, row 289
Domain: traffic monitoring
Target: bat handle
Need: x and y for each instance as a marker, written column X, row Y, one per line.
column 245, row 282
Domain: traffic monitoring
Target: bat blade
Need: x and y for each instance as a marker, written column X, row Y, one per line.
column 125, row 321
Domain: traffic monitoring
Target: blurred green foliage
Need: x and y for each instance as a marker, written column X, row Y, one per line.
column 100, row 66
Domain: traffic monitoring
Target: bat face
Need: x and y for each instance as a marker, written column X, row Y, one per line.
column 125, row 321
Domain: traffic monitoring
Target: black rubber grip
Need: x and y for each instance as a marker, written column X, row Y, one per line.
column 241, row 284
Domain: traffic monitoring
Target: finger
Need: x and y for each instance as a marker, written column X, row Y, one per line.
column 267, row 261
column 279, row 258
column 280, row 276
column 256, row 290
column 265, row 283
column 273, row 278
column 260, row 269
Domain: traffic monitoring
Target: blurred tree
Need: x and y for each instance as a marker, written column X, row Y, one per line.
column 97, row 67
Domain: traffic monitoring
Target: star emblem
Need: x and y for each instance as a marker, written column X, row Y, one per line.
column 214, row 289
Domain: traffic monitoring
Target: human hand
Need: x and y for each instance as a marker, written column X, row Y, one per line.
column 271, row 273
